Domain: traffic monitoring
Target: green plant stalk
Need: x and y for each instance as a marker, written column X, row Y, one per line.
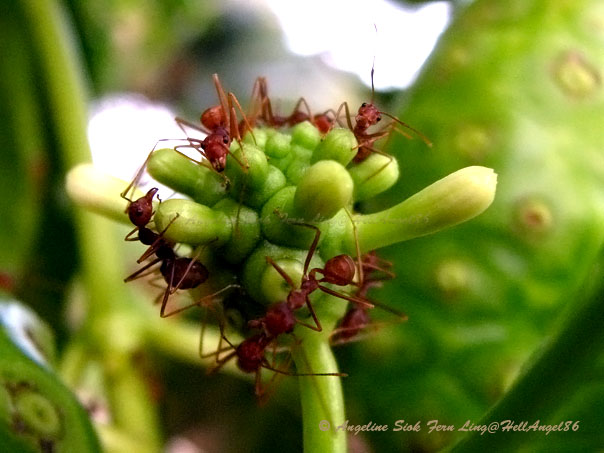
column 321, row 396
column 64, row 92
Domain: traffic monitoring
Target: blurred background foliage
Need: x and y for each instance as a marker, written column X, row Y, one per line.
column 516, row 86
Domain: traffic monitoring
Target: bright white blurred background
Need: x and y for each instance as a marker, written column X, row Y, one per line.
column 345, row 34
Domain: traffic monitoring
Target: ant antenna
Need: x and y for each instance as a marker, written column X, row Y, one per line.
column 372, row 86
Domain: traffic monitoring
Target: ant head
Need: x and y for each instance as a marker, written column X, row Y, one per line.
column 216, row 147
column 368, row 115
column 339, row 270
column 140, row 211
column 213, row 118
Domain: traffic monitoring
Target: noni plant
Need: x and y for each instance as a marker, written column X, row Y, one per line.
column 280, row 192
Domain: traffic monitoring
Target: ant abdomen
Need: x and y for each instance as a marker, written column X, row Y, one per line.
column 213, row 117
column 339, row 270
column 250, row 353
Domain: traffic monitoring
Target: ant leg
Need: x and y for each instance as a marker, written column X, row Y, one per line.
column 199, row 302
column 139, row 173
column 296, row 110
column 271, row 386
column 379, row 170
column 288, row 373
column 157, row 243
column 425, row 139
column 137, row 177
column 336, row 338
column 318, row 327
column 313, row 245
column 168, row 292
column 196, row 145
column 347, row 297
column 129, row 235
column 283, row 274
column 233, row 102
column 221, row 97
column 358, row 247
column 348, row 117
column 222, row 362
column 257, row 99
column 219, row 348
column 182, row 123
column 138, row 273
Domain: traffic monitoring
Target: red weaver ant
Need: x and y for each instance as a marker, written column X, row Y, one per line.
column 177, row 272
column 339, row 270
column 369, row 115
column 357, row 317
column 262, row 108
column 250, row 354
column 220, row 124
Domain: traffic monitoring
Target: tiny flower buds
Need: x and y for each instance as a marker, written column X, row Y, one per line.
column 278, row 145
column 192, row 223
column 246, row 169
column 374, row 175
column 339, row 145
column 185, row 176
column 306, row 135
column 325, row 188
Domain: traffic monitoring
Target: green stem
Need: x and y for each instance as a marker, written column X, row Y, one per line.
column 62, row 88
column 321, row 396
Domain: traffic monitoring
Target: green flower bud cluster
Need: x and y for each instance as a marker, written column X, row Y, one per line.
column 278, row 189
column 276, row 183
column 271, row 179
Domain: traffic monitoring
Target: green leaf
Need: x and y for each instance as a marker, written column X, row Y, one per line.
column 514, row 86
column 37, row 409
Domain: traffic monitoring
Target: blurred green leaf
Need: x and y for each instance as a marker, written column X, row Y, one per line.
column 35, row 406
column 515, row 86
